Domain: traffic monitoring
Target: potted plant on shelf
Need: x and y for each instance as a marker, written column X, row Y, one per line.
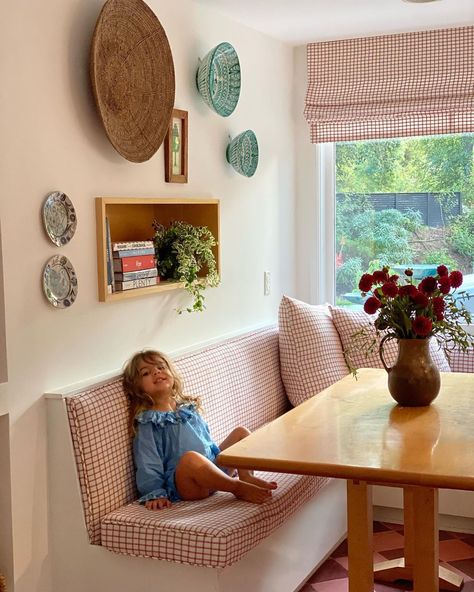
column 182, row 252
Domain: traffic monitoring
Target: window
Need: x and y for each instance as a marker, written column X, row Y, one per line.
column 404, row 203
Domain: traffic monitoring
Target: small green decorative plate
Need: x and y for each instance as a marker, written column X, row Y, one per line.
column 242, row 153
column 218, row 79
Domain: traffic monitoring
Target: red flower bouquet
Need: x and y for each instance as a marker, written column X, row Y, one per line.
column 409, row 311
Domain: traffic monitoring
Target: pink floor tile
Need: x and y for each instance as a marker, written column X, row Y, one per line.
column 344, row 561
column 307, row 588
column 330, row 570
column 457, row 571
column 455, row 550
column 341, row 585
column 466, row 566
column 393, row 526
column 388, row 540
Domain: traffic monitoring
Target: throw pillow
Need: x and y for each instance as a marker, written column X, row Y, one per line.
column 311, row 357
column 348, row 322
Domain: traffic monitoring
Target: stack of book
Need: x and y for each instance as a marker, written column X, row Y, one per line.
column 133, row 265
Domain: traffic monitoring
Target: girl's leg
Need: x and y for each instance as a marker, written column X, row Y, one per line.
column 235, row 436
column 197, row 477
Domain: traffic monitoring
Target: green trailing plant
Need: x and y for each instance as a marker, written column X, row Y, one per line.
column 182, row 252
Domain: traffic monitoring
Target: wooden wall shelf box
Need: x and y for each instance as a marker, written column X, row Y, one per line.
column 131, row 218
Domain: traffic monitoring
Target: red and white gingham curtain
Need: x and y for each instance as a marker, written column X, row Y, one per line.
column 409, row 84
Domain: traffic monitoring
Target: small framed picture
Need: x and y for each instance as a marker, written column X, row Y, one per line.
column 176, row 148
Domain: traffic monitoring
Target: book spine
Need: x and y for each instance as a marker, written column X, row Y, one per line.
column 135, row 275
column 134, row 263
column 108, row 247
column 143, row 283
column 125, row 245
column 133, row 252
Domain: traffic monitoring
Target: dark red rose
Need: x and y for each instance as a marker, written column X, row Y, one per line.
column 393, row 278
column 456, row 279
column 408, row 272
column 390, row 289
column 439, row 316
column 422, row 326
column 371, row 305
column 442, row 270
column 365, row 282
column 407, row 290
column 420, row 299
column 380, row 276
column 444, row 284
column 428, row 285
column 438, row 305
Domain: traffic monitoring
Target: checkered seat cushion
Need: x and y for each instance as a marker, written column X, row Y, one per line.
column 239, row 383
column 214, row 532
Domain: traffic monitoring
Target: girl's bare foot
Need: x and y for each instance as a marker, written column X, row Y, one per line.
column 251, row 493
column 249, row 477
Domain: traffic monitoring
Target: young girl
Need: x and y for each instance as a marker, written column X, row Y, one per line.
column 175, row 456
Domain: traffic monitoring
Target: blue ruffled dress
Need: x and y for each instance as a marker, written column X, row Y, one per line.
column 162, row 438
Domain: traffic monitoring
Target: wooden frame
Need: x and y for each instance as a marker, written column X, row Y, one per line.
column 131, row 218
column 176, row 148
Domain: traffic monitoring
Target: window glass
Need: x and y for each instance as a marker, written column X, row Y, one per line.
column 404, row 203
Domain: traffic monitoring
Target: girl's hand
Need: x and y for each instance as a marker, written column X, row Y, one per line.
column 158, row 504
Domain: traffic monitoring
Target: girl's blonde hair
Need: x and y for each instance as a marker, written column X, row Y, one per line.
column 140, row 401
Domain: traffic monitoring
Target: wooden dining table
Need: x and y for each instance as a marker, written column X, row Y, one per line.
column 354, row 430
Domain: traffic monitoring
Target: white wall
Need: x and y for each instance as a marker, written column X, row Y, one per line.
column 52, row 139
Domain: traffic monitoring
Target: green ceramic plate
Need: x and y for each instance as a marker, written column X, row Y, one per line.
column 242, row 153
column 218, row 79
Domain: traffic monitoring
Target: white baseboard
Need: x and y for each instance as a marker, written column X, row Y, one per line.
column 446, row 521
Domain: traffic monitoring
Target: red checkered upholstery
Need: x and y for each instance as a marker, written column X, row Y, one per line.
column 98, row 419
column 461, row 361
column 239, row 382
column 214, row 532
column 310, row 349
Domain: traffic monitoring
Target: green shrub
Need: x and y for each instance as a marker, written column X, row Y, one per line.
column 440, row 257
column 348, row 275
column 461, row 235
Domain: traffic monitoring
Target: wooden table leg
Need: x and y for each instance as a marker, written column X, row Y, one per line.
column 421, row 546
column 360, row 536
column 426, row 564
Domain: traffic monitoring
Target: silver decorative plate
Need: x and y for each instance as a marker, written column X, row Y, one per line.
column 60, row 282
column 59, row 218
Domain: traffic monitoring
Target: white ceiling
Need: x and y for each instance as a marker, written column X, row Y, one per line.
column 298, row 22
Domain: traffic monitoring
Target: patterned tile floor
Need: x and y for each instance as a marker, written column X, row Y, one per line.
column 456, row 551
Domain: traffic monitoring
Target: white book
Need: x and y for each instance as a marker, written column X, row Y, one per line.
column 126, row 245
column 141, row 283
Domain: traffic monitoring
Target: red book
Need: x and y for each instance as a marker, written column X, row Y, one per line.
column 134, row 263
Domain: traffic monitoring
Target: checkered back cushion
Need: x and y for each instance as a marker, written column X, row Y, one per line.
column 98, row 419
column 348, row 322
column 239, row 382
column 310, row 349
column 462, row 361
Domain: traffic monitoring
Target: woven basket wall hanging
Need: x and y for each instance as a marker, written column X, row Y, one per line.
column 132, row 76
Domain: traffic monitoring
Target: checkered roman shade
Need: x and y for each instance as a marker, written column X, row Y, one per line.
column 409, row 84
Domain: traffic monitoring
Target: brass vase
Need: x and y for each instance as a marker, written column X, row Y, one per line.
column 413, row 381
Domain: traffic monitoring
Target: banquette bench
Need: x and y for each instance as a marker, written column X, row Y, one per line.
column 103, row 540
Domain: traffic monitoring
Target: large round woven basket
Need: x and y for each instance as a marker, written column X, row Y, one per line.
column 132, row 76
